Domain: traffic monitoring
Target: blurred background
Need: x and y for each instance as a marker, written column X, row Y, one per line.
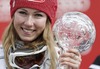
column 89, row 7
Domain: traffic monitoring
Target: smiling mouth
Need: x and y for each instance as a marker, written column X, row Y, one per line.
column 28, row 31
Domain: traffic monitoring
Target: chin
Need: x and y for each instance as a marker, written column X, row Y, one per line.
column 27, row 40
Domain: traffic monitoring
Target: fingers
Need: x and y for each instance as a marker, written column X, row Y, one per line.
column 71, row 58
column 75, row 54
column 70, row 62
column 75, row 51
column 72, row 53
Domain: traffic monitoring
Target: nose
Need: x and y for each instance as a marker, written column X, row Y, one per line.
column 29, row 21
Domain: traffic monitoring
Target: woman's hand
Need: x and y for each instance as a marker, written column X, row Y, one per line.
column 71, row 59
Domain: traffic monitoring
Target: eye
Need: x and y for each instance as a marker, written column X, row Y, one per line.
column 38, row 15
column 23, row 12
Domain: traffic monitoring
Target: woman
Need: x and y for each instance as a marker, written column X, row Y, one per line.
column 28, row 41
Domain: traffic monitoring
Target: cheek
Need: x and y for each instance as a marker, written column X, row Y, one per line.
column 18, row 19
column 41, row 24
column 17, row 23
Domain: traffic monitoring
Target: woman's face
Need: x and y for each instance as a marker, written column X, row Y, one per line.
column 29, row 23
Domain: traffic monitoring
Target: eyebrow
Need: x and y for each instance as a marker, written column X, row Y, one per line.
column 36, row 11
column 23, row 9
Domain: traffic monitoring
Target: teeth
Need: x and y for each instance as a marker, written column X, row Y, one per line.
column 28, row 30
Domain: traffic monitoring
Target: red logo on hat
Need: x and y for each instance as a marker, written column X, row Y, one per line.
column 37, row 0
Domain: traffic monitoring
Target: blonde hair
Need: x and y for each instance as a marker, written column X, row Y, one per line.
column 9, row 38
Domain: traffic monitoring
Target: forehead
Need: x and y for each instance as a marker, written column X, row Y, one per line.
column 30, row 10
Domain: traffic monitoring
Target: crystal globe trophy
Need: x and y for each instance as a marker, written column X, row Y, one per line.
column 74, row 30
